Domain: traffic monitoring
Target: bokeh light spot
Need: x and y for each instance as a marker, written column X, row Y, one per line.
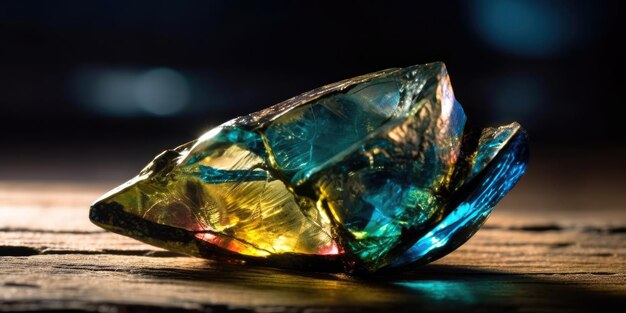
column 161, row 91
column 531, row 27
column 128, row 93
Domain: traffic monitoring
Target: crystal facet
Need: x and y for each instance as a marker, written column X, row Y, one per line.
column 373, row 173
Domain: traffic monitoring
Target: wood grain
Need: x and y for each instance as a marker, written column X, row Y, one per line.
column 52, row 258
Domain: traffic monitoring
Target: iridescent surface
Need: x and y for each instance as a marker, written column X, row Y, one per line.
column 372, row 173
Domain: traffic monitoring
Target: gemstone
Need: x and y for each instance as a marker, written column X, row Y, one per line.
column 374, row 173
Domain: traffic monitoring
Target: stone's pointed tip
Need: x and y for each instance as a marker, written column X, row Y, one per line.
column 106, row 215
column 96, row 215
column 93, row 212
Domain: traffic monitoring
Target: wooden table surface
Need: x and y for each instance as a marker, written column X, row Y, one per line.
column 568, row 256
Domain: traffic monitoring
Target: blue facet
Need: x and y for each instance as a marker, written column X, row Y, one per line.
column 213, row 175
column 500, row 176
column 312, row 134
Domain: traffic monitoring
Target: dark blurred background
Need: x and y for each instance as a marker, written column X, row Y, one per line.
column 91, row 91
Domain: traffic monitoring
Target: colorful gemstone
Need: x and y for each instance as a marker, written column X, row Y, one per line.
column 373, row 173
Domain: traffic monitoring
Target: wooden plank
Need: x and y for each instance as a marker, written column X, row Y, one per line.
column 52, row 258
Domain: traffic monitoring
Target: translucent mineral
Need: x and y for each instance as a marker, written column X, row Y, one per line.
column 374, row 173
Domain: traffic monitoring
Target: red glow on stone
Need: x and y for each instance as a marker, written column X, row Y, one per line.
column 205, row 236
column 330, row 250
